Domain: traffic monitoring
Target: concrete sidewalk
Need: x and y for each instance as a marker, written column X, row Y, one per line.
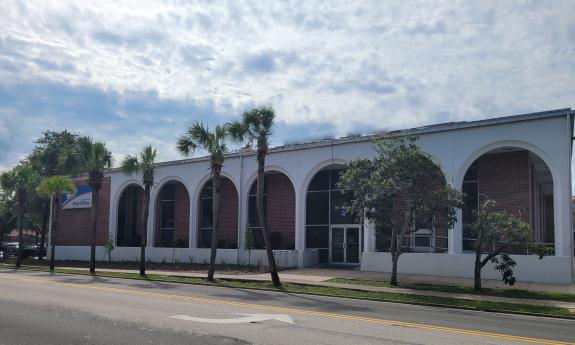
column 321, row 277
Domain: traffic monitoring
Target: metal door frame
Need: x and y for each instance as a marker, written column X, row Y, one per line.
column 345, row 227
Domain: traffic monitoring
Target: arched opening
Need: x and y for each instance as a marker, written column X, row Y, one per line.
column 427, row 232
column 129, row 224
column 520, row 183
column 330, row 228
column 228, row 215
column 172, row 216
column 279, row 206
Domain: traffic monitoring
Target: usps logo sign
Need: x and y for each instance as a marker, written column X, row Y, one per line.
column 81, row 199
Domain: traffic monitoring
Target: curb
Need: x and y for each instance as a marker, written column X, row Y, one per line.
column 437, row 305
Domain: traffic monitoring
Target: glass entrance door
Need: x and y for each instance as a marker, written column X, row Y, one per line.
column 338, row 245
column 352, row 245
column 345, row 245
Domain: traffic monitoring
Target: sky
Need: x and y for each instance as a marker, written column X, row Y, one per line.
column 134, row 73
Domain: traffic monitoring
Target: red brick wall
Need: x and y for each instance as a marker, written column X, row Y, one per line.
column 504, row 178
column 182, row 215
column 281, row 208
column 228, row 216
column 73, row 226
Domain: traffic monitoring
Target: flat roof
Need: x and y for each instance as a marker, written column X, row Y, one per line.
column 442, row 127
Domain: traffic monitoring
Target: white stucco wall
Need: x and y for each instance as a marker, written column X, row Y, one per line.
column 454, row 147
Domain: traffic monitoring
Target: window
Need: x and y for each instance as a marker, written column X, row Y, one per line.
column 167, row 214
column 470, row 204
column 325, row 205
column 253, row 216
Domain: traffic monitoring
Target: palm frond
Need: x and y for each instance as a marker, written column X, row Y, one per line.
column 130, row 165
column 56, row 185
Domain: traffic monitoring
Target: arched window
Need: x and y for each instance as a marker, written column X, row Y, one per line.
column 228, row 218
column 520, row 183
column 172, row 216
column 129, row 227
column 279, row 209
column 329, row 226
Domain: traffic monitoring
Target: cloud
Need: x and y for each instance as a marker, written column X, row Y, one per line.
column 358, row 66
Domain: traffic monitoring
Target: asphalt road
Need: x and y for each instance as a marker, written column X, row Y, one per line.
column 39, row 308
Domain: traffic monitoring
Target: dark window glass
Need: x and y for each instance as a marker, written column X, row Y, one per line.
column 207, row 191
column 339, row 212
column 254, row 187
column 253, row 217
column 167, row 236
column 168, row 212
column 207, row 215
column 471, row 201
column 471, row 174
column 317, row 208
column 317, row 237
column 320, row 181
column 258, row 236
column 470, row 207
column 206, row 238
column 169, row 192
column 335, row 177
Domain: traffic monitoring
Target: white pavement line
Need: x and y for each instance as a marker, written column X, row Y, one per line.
column 246, row 319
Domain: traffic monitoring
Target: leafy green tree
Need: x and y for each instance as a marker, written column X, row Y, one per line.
column 215, row 143
column 92, row 158
column 398, row 183
column 256, row 127
column 144, row 164
column 19, row 183
column 51, row 157
column 7, row 216
column 53, row 187
column 494, row 233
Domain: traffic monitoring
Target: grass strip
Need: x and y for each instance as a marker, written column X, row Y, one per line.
column 529, row 309
column 507, row 292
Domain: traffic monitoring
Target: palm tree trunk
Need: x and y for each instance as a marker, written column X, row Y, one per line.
column 215, row 215
column 145, row 214
column 20, row 234
column 262, row 218
column 56, row 206
column 94, row 220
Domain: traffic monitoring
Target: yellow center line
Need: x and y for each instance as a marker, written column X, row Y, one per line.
column 295, row 310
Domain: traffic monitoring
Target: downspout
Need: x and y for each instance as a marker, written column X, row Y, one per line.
column 240, row 198
column 570, row 119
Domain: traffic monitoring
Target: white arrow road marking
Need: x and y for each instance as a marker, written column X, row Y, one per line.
column 247, row 318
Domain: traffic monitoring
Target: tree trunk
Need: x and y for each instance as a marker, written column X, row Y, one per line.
column 145, row 214
column 393, row 280
column 45, row 219
column 94, row 220
column 262, row 218
column 20, row 235
column 216, row 192
column 393, row 250
column 55, row 213
column 477, row 272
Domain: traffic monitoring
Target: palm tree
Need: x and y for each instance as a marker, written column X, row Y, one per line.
column 92, row 158
column 19, row 183
column 215, row 143
column 143, row 164
column 256, row 126
column 53, row 187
